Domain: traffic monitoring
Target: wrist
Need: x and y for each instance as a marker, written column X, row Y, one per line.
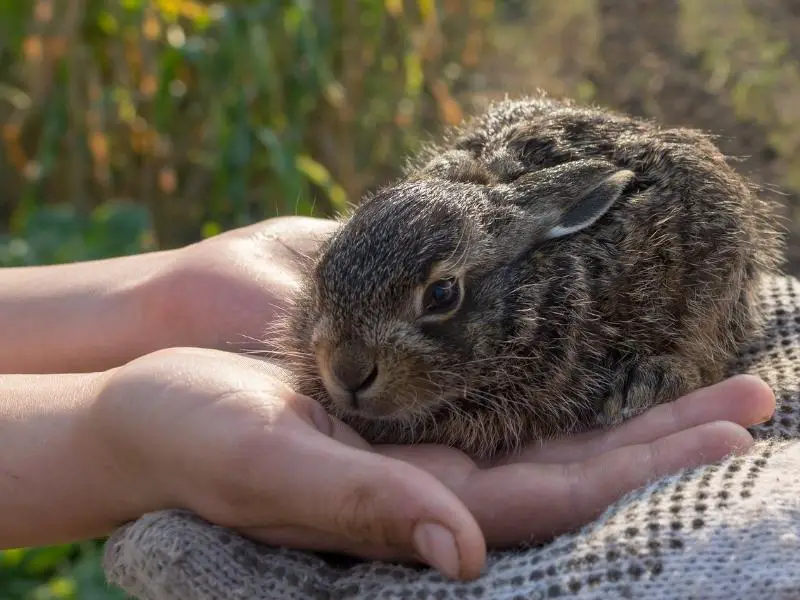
column 158, row 301
column 115, row 485
column 126, row 476
column 168, row 301
column 132, row 312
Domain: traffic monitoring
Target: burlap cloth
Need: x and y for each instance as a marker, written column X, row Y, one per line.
column 727, row 531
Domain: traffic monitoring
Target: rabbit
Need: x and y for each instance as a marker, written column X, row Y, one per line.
column 544, row 269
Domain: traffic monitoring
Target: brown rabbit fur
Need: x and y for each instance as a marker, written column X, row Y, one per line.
column 602, row 265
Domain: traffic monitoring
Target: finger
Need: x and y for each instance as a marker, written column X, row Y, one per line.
column 534, row 502
column 367, row 501
column 599, row 481
column 318, row 541
column 744, row 399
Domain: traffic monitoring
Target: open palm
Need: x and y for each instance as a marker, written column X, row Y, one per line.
column 558, row 486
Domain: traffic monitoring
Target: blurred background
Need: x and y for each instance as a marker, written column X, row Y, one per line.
column 133, row 125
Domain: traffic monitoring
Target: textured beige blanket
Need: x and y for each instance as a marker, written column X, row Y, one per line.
column 728, row 531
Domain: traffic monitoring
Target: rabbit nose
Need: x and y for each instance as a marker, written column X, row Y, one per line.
column 353, row 369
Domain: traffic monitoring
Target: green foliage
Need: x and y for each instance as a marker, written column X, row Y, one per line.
column 66, row 572
column 61, row 233
column 747, row 58
column 213, row 116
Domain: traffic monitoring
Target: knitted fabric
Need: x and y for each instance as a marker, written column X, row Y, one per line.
column 726, row 531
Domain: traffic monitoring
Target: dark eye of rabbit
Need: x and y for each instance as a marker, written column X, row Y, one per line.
column 441, row 296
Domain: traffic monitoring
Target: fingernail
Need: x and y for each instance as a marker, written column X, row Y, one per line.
column 437, row 546
column 764, row 419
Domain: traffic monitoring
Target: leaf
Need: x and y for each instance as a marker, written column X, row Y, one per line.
column 427, row 9
column 63, row 587
column 210, row 229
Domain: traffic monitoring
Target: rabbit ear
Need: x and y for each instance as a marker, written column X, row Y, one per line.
column 592, row 204
column 565, row 199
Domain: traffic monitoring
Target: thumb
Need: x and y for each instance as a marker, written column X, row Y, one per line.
column 346, row 498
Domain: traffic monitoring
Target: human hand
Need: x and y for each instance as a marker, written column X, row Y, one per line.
column 224, row 291
column 559, row 486
column 223, row 436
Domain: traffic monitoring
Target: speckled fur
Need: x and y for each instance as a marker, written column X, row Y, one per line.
column 650, row 302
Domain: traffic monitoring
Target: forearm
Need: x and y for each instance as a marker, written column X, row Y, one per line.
column 80, row 317
column 56, row 483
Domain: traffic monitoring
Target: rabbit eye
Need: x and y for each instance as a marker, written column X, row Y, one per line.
column 441, row 296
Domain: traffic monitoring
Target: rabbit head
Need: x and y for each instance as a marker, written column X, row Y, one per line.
column 409, row 300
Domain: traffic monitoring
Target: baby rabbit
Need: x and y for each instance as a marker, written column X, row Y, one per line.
column 548, row 268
